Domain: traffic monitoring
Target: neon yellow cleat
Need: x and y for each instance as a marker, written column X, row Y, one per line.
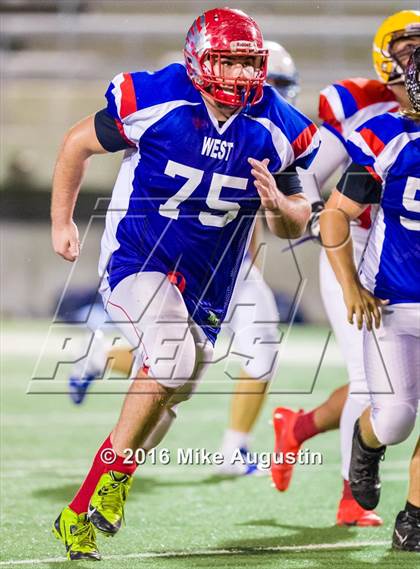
column 106, row 508
column 78, row 535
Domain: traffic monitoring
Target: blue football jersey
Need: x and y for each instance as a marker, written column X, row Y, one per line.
column 185, row 200
column 389, row 147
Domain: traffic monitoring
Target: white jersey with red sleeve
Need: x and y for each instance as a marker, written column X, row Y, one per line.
column 345, row 105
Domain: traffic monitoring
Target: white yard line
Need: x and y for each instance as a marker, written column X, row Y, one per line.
column 213, row 552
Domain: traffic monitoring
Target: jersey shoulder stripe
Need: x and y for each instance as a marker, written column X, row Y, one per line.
column 372, row 140
column 305, row 140
column 346, row 104
column 128, row 96
column 379, row 141
column 131, row 92
column 361, row 93
column 380, row 130
column 347, row 99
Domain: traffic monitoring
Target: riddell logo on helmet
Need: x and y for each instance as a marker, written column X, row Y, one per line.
column 243, row 45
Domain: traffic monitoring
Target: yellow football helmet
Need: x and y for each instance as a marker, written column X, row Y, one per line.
column 400, row 25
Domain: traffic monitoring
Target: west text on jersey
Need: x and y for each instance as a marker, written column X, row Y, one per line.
column 216, row 148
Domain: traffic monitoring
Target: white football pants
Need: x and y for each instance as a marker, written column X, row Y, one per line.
column 392, row 364
column 152, row 315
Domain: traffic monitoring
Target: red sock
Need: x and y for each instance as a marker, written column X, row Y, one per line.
column 80, row 502
column 305, row 427
column 347, row 494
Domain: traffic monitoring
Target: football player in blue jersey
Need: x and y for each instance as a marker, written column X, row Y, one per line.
column 385, row 292
column 211, row 141
column 343, row 106
column 252, row 301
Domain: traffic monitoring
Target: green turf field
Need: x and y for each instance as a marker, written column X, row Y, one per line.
column 184, row 516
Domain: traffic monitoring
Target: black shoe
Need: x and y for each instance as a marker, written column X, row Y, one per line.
column 406, row 536
column 364, row 472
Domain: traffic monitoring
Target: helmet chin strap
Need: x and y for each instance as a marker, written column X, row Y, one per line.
column 397, row 81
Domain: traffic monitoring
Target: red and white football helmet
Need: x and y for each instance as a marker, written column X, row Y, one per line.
column 224, row 32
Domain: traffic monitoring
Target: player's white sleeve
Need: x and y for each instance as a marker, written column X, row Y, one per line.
column 331, row 155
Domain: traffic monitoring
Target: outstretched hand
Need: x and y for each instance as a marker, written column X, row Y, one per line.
column 265, row 184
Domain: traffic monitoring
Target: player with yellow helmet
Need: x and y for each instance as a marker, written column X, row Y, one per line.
column 344, row 106
column 389, row 55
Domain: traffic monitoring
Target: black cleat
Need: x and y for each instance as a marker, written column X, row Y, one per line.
column 406, row 536
column 364, row 472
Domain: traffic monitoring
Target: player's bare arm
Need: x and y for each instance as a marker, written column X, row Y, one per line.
column 336, row 238
column 287, row 216
column 78, row 145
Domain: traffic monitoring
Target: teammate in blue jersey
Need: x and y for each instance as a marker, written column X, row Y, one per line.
column 211, row 141
column 344, row 106
column 385, row 293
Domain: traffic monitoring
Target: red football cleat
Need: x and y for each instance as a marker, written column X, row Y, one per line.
column 349, row 513
column 284, row 420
